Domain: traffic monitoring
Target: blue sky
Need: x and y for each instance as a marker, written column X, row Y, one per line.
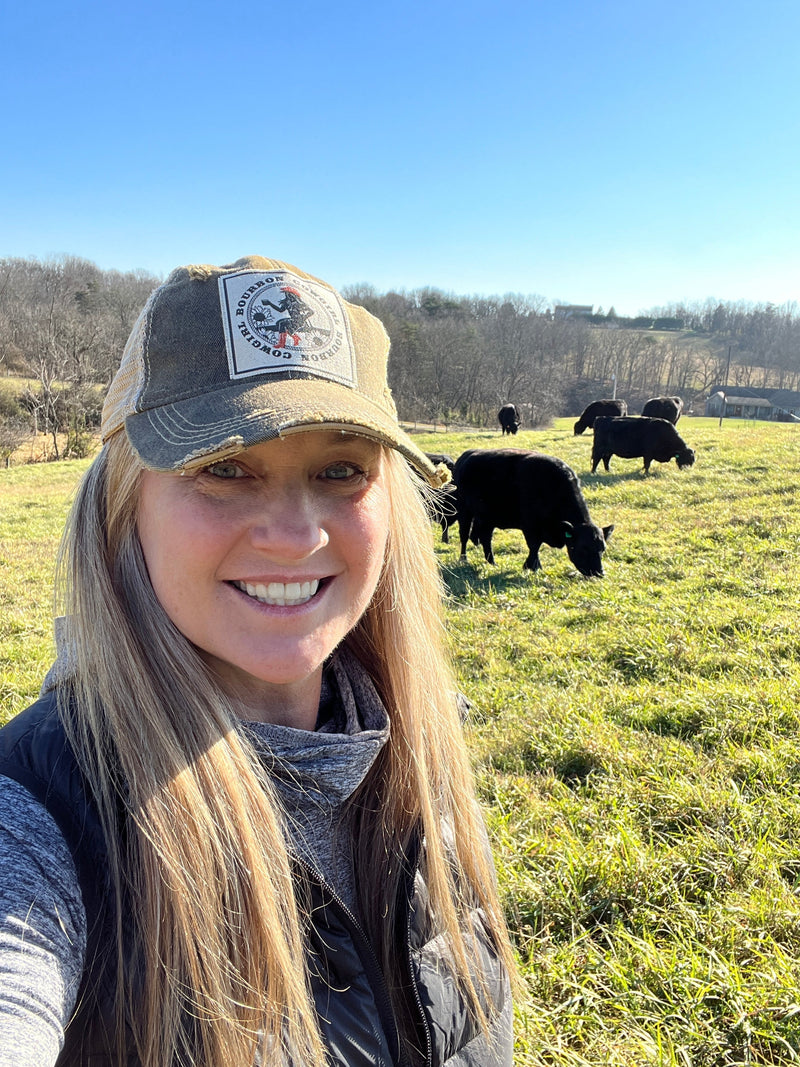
column 606, row 153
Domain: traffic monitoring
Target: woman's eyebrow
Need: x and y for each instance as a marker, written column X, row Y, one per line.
column 356, row 438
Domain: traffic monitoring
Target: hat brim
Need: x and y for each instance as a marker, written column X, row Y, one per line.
column 183, row 435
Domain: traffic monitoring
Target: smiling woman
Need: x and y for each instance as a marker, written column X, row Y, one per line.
column 234, row 549
column 239, row 826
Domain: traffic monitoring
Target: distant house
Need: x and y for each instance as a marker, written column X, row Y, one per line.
column 572, row 311
column 742, row 402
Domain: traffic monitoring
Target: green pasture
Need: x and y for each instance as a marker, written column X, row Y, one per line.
column 636, row 741
column 34, row 500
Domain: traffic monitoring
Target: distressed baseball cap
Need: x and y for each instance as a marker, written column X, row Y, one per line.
column 223, row 358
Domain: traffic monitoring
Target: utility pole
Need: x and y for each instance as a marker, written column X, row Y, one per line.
column 724, row 395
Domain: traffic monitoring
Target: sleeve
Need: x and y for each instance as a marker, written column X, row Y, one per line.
column 42, row 931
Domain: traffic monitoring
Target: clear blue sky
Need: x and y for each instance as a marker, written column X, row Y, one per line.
column 605, row 152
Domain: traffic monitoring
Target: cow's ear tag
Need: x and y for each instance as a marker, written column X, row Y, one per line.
column 567, row 534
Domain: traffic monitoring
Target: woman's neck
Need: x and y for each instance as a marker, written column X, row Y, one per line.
column 295, row 704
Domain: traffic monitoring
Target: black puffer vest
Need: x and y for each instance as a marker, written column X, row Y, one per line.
column 350, row 993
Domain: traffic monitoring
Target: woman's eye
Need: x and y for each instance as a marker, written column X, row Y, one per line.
column 339, row 472
column 224, row 470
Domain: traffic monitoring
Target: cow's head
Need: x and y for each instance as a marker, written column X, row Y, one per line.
column 586, row 544
column 685, row 458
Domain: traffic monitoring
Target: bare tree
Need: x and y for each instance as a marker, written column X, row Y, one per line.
column 13, row 432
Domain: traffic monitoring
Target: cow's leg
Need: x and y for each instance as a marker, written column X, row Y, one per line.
column 606, row 461
column 595, row 461
column 532, row 562
column 484, row 535
column 464, row 526
column 481, row 534
column 647, row 461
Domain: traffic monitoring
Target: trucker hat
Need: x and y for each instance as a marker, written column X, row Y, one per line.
column 223, row 358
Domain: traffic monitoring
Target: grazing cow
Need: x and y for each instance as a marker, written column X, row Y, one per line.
column 663, row 407
column 443, row 502
column 633, row 436
column 441, row 457
column 507, row 488
column 599, row 407
column 509, row 418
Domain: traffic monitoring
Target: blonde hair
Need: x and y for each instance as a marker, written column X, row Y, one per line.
column 204, row 870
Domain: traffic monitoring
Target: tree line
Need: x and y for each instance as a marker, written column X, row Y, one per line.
column 458, row 359
column 454, row 359
column 63, row 325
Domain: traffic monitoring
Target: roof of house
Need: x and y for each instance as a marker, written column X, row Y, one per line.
column 748, row 401
column 785, row 398
column 779, row 398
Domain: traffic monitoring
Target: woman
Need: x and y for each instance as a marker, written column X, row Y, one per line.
column 240, row 817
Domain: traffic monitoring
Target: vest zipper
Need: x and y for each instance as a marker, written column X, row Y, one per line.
column 417, row 997
column 411, row 875
column 375, row 974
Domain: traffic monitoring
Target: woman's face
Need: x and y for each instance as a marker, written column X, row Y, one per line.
column 266, row 560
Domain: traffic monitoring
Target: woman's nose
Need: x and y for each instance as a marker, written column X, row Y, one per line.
column 288, row 526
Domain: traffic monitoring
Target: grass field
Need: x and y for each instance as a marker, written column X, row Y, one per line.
column 636, row 740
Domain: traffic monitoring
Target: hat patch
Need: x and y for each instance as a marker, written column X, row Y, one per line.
column 275, row 321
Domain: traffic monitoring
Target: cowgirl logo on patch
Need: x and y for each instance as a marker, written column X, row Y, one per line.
column 276, row 321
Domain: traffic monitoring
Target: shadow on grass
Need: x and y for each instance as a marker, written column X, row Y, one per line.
column 683, row 728
column 577, row 766
column 476, row 578
column 466, row 580
column 617, row 477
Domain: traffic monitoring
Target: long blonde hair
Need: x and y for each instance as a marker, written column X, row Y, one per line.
column 204, row 866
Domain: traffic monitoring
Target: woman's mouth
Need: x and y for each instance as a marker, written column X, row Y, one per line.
column 280, row 594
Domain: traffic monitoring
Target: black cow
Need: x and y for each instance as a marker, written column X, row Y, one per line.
column 599, row 407
column 509, row 418
column 442, row 503
column 441, row 457
column 507, row 488
column 663, row 407
column 638, row 435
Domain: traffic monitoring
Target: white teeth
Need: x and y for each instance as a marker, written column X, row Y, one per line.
column 282, row 594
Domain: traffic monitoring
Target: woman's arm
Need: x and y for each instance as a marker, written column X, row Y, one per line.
column 42, row 931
